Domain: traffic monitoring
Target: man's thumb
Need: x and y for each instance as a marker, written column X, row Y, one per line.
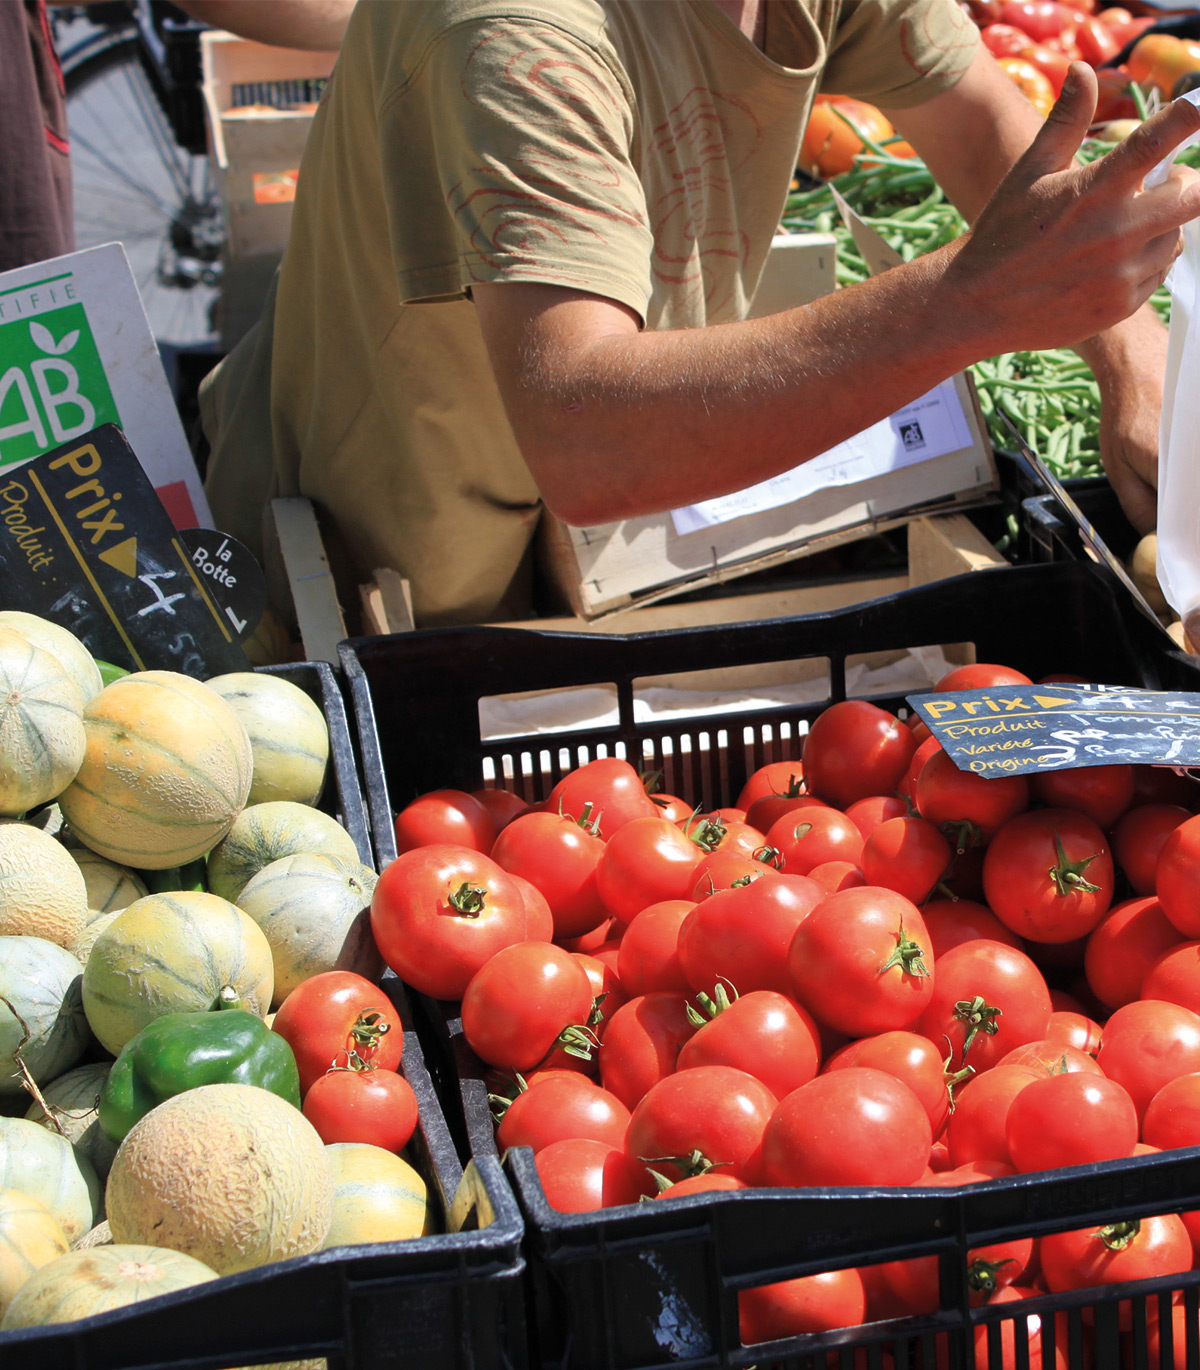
column 1067, row 124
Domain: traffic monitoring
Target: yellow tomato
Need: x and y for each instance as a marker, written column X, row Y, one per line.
column 1159, row 60
column 1030, row 82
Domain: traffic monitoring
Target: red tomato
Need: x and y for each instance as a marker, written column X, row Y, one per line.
column 855, row 749
column 518, row 1005
column 743, row 934
column 642, row 1042
column 1138, row 839
column 837, row 875
column 831, row 143
column 649, row 956
column 977, row 1127
column 996, row 1343
column 606, row 790
column 319, row 1018
column 916, row 1282
column 909, row 1057
column 858, row 962
column 608, row 993
column 1071, row 1119
column 1124, row 945
column 558, row 856
column 776, row 777
column 967, row 807
column 908, row 781
column 1073, row 1029
column 763, row 1033
column 1053, row 63
column 710, row 1181
column 1173, row 1115
column 502, row 804
column 1053, row 1057
column 722, row 832
column 1103, row 793
column 644, row 862
column 1041, row 19
column 605, row 937
column 792, row 1308
column 1004, row 40
column 856, row 1126
column 374, row 1106
column 771, row 807
column 950, row 922
column 580, row 1175
column 908, row 855
column 988, row 998
column 1178, row 1359
column 981, row 676
column 439, row 912
column 539, row 921
column 1048, row 875
column 1175, row 976
column 718, row 1111
column 809, row 837
column 445, row 816
column 721, row 870
column 1097, row 42
column 670, row 806
column 1177, row 877
column 867, row 814
column 1139, row 1249
column 1114, row 100
column 1147, row 1043
column 566, row 1106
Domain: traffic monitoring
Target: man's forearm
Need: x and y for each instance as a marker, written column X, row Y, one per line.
column 317, row 25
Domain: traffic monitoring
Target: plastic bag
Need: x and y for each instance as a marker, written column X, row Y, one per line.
column 1179, row 431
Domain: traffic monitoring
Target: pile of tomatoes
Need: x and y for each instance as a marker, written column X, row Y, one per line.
column 872, row 969
column 1035, row 42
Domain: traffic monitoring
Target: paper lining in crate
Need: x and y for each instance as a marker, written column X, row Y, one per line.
column 260, row 102
column 933, row 455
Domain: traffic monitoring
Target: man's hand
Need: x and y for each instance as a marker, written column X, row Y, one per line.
column 1062, row 252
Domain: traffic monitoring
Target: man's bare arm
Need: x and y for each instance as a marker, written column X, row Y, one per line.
column 317, row 25
column 616, row 422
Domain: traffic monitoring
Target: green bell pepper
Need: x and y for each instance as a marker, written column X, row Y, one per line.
column 180, row 1051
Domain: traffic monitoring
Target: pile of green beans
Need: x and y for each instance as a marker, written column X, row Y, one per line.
column 1051, row 397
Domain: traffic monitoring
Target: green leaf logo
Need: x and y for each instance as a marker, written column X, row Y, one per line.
column 44, row 339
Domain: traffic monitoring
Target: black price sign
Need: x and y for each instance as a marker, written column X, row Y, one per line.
column 1009, row 729
column 86, row 542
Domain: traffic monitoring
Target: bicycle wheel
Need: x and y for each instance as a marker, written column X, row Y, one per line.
column 136, row 186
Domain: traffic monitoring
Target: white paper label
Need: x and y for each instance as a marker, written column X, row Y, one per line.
column 930, row 426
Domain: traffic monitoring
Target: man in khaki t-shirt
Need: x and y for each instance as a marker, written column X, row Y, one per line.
column 518, row 224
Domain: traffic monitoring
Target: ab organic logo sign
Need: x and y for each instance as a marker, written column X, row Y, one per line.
column 52, row 382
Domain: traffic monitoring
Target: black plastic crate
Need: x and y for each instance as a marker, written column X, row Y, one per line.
column 450, row 1301
column 656, row 1285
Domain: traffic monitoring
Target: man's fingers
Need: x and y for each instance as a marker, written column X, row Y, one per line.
column 1131, row 160
column 1059, row 138
column 1171, row 203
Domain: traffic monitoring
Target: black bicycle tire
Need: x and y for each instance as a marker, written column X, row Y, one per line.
column 86, row 59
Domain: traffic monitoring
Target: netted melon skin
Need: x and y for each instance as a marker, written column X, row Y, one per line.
column 230, row 1174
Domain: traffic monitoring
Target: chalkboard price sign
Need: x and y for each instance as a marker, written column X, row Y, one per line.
column 1008, row 730
column 86, row 542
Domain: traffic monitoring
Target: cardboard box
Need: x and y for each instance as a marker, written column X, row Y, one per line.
column 614, row 567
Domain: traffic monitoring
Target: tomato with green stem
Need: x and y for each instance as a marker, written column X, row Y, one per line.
column 336, row 1012
column 559, row 856
column 607, row 787
column 644, row 862
column 970, row 809
column 810, row 837
column 860, row 963
column 764, row 1033
column 359, row 1102
column 561, row 1107
column 524, row 1002
column 1073, row 1118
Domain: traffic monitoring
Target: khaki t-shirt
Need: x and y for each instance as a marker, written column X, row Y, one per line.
column 638, row 149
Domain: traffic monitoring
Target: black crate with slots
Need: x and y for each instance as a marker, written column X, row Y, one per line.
column 453, row 1300
column 656, row 1285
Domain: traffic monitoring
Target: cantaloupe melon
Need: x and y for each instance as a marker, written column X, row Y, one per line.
column 37, row 1161
column 316, row 914
column 166, row 771
column 230, row 1174
column 377, row 1197
column 61, row 643
column 42, row 890
column 100, row 1235
column 74, row 1100
column 173, row 953
column 99, row 1279
column 110, row 887
column 42, row 737
column 81, row 947
column 42, row 984
column 263, row 833
column 288, row 735
column 30, row 1237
